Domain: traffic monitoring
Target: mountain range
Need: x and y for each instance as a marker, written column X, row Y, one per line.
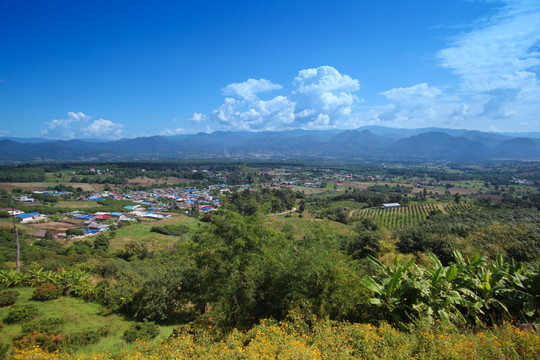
column 366, row 143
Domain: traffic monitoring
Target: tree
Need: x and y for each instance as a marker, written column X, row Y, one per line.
column 49, row 235
column 101, row 242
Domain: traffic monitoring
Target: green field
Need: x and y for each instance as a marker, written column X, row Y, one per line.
column 298, row 227
column 140, row 232
column 79, row 316
column 409, row 215
column 77, row 204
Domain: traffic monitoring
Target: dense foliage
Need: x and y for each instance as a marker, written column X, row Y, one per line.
column 468, row 291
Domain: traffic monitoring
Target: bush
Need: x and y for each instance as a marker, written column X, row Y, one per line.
column 8, row 298
column 171, row 230
column 49, row 343
column 48, row 326
column 75, row 232
column 87, row 337
column 47, row 292
column 19, row 313
column 141, row 331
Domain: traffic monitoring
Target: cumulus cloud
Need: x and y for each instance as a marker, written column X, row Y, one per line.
column 254, row 115
column 78, row 125
column 104, row 129
column 320, row 98
column 410, row 106
column 324, row 91
column 197, row 118
column 248, row 90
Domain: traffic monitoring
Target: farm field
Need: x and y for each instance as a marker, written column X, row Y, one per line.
column 409, row 215
column 42, row 186
column 77, row 204
column 141, row 233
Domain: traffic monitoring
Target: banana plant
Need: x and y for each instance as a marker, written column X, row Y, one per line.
column 392, row 290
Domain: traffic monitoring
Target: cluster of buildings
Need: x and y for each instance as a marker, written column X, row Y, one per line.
column 144, row 204
column 164, row 199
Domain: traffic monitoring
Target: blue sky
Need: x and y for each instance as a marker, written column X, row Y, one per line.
column 114, row 69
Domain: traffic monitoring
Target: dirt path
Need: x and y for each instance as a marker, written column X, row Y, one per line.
column 285, row 212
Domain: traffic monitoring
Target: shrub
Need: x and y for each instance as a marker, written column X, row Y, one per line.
column 171, row 230
column 49, row 343
column 76, row 232
column 8, row 298
column 141, row 331
column 48, row 326
column 3, row 350
column 87, row 337
column 19, row 313
column 47, row 292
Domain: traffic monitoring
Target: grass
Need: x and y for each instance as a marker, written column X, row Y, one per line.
column 40, row 186
column 298, row 227
column 141, row 232
column 76, row 204
column 79, row 316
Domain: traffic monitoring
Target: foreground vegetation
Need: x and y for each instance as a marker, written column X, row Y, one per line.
column 309, row 338
column 283, row 271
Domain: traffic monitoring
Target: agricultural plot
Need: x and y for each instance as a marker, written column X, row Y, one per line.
column 409, row 215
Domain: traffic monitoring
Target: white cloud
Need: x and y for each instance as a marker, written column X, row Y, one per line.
column 246, row 115
column 170, row 132
column 78, row 116
column 248, row 90
column 497, row 62
column 321, row 97
column 197, row 118
column 497, row 53
column 321, row 122
column 102, row 128
column 324, row 91
column 497, row 83
column 3, row 133
column 73, row 117
column 417, row 93
column 79, row 125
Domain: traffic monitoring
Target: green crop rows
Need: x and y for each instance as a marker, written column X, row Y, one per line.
column 409, row 215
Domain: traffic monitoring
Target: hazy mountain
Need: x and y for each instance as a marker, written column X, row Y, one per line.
column 518, row 148
column 439, row 146
column 366, row 143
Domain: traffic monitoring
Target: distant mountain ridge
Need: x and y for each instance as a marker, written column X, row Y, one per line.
column 366, row 143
